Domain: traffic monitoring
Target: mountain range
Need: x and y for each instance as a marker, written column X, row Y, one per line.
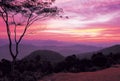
column 64, row 48
column 112, row 49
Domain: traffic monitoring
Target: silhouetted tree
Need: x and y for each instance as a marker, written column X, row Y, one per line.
column 46, row 67
column 85, row 64
column 111, row 59
column 5, row 67
column 37, row 58
column 70, row 64
column 60, row 67
column 116, row 58
column 100, row 60
column 23, row 13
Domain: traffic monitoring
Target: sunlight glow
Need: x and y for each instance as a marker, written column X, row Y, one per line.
column 89, row 20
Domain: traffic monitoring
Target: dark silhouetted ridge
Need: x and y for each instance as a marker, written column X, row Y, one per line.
column 46, row 55
column 112, row 49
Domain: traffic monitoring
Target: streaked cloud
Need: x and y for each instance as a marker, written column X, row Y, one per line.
column 89, row 20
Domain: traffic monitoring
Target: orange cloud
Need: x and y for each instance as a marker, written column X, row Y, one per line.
column 89, row 21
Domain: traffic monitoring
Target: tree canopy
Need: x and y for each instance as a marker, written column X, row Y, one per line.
column 24, row 13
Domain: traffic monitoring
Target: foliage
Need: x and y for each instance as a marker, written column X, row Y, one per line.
column 23, row 13
column 98, row 61
column 35, row 69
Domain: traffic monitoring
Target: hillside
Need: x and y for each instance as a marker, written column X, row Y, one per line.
column 67, row 49
column 111, row 49
column 110, row 74
column 63, row 48
column 45, row 55
column 24, row 50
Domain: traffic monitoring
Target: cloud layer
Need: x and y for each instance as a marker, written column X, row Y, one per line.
column 89, row 20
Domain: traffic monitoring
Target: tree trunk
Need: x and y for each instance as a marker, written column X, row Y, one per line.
column 10, row 47
column 10, row 41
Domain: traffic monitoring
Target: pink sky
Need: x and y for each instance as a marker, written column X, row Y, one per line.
column 89, row 21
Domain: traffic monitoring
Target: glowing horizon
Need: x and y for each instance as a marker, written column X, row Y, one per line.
column 89, row 21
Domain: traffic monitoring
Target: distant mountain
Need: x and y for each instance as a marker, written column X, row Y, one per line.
column 48, row 43
column 45, row 55
column 64, row 48
column 24, row 51
column 111, row 49
column 67, row 50
column 3, row 42
column 86, row 55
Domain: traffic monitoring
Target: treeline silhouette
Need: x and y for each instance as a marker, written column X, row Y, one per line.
column 33, row 70
column 96, row 62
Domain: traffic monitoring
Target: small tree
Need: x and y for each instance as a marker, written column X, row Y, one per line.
column 23, row 13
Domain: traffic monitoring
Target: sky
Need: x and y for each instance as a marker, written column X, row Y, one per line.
column 90, row 21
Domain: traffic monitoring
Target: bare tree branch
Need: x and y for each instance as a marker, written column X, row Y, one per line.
column 30, row 10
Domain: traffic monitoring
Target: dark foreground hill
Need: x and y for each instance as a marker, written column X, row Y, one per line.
column 45, row 55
